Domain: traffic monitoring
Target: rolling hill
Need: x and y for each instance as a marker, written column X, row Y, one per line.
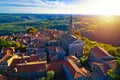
column 97, row 28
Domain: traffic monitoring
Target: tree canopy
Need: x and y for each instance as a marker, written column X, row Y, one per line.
column 32, row 30
column 49, row 75
column 6, row 43
column 88, row 45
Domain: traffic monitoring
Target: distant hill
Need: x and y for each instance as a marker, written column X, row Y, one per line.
column 98, row 28
column 7, row 18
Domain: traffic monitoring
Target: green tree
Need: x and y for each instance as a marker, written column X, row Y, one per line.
column 16, row 44
column 50, row 75
column 112, row 75
column 43, row 78
column 5, row 43
column 83, row 61
column 118, row 66
column 32, row 30
column 88, row 45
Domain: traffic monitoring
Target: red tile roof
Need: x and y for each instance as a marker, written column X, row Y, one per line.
column 7, row 51
column 3, row 77
column 74, row 70
column 33, row 58
column 112, row 64
column 73, row 58
column 18, row 60
column 54, row 51
column 56, row 66
column 100, row 52
column 5, row 58
column 104, row 67
column 15, row 61
column 36, row 45
column 54, row 58
column 31, row 67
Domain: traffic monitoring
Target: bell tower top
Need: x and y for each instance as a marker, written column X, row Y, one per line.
column 71, row 26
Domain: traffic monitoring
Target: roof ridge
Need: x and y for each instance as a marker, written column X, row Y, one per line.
column 76, row 74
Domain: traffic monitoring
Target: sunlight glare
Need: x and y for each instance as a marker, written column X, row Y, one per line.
column 107, row 18
column 104, row 7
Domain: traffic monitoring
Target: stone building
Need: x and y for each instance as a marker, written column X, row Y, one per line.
column 70, row 43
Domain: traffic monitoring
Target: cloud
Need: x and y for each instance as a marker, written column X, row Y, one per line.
column 34, row 3
column 40, row 6
column 61, row 6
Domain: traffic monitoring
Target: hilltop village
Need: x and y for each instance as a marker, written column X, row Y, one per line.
column 54, row 50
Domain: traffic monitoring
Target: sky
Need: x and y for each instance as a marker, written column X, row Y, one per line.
column 100, row 7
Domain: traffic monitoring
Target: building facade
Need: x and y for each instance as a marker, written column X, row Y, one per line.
column 70, row 43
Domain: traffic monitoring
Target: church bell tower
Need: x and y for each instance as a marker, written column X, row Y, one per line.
column 71, row 26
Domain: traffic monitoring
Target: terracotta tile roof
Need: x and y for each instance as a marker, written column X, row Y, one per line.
column 112, row 64
column 36, row 45
column 18, row 60
column 3, row 77
column 100, row 52
column 5, row 58
column 55, row 31
column 33, row 58
column 54, row 58
column 73, row 58
column 26, row 58
column 53, row 40
column 104, row 67
column 74, row 70
column 56, row 66
column 84, row 71
column 8, row 51
column 31, row 67
column 15, row 61
column 31, row 63
column 69, row 38
column 9, row 61
column 55, row 52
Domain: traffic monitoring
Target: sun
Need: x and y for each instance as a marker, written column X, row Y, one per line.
column 104, row 7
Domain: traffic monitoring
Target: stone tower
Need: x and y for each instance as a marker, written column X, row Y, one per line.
column 71, row 26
